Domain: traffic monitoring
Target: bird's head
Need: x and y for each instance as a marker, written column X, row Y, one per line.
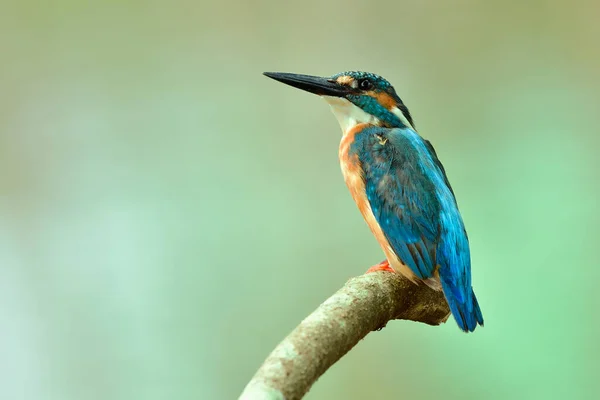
column 355, row 97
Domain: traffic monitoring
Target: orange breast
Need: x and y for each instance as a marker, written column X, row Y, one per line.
column 353, row 176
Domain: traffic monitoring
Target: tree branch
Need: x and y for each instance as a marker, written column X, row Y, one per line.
column 364, row 304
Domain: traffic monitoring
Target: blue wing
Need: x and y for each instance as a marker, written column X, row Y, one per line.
column 403, row 196
column 414, row 204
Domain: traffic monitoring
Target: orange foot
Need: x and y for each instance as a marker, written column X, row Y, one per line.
column 382, row 266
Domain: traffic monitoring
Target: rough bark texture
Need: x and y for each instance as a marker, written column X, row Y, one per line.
column 366, row 303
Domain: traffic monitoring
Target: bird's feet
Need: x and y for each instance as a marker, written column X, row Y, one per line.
column 382, row 266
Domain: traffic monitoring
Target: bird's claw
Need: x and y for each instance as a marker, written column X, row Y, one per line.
column 382, row 266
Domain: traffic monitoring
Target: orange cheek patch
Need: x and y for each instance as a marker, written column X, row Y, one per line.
column 384, row 99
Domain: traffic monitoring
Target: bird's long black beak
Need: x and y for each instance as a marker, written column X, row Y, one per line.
column 312, row 84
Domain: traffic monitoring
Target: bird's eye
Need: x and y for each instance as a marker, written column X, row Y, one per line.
column 364, row 84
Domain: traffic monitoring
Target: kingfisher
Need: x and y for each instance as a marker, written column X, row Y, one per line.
column 399, row 185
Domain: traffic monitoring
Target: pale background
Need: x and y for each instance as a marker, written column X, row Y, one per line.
column 168, row 214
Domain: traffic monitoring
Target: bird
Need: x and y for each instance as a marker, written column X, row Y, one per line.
column 399, row 185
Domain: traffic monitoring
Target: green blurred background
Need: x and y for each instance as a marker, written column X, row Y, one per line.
column 168, row 214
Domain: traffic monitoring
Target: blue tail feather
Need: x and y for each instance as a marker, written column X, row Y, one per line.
column 466, row 313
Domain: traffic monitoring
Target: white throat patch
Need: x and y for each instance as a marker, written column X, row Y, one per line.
column 349, row 115
column 398, row 113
